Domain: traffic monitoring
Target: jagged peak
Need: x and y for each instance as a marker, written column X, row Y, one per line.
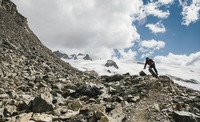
column 63, row 55
column 11, row 8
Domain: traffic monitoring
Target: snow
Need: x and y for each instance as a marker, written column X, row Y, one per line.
column 183, row 72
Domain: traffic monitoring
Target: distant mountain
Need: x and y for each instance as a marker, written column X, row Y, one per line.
column 72, row 56
column 111, row 63
column 61, row 55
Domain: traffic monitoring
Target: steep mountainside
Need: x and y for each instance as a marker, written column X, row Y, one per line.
column 20, row 46
column 36, row 86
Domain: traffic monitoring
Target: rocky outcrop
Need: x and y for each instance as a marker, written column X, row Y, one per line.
column 61, row 55
column 73, row 56
column 10, row 7
column 183, row 116
column 111, row 63
column 37, row 86
column 87, row 57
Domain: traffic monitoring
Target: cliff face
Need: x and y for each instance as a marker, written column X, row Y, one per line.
column 11, row 8
column 37, row 86
column 18, row 44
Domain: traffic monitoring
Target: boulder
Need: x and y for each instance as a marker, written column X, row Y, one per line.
column 24, row 117
column 42, row 103
column 117, row 114
column 142, row 73
column 42, row 117
column 88, row 90
column 183, row 116
column 75, row 105
column 111, row 63
column 116, row 77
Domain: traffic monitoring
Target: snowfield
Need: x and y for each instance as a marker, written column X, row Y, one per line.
column 188, row 76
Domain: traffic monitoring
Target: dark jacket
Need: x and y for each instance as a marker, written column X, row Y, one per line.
column 149, row 62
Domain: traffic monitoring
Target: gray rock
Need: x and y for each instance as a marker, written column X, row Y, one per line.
column 42, row 117
column 114, row 78
column 75, row 105
column 24, row 117
column 183, row 116
column 42, row 103
column 142, row 73
column 87, row 57
column 111, row 63
column 117, row 114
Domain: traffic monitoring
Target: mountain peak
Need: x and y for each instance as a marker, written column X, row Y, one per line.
column 87, row 57
column 111, row 63
column 11, row 8
column 72, row 56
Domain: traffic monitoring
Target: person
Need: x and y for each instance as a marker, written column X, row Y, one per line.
column 151, row 64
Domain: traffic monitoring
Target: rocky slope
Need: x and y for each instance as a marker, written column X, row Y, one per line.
column 36, row 86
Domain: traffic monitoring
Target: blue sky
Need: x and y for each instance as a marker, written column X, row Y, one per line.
column 179, row 39
column 160, row 29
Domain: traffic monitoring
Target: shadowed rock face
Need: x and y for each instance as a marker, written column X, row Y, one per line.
column 111, row 63
column 19, row 44
column 73, row 56
column 36, row 86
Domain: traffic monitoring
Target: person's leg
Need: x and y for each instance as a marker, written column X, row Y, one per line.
column 150, row 69
column 154, row 67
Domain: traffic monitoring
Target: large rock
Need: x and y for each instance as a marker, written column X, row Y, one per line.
column 183, row 116
column 25, row 117
column 42, row 117
column 116, row 77
column 88, row 90
column 111, row 63
column 42, row 103
column 117, row 114
column 75, row 105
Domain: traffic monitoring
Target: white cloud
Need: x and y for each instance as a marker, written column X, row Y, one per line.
column 85, row 26
column 139, row 13
column 156, row 28
column 156, row 45
column 182, row 60
column 147, row 54
column 165, row 2
column 148, row 47
column 127, row 55
column 153, row 9
column 190, row 11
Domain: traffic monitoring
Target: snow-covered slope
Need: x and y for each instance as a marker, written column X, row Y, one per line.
column 183, row 75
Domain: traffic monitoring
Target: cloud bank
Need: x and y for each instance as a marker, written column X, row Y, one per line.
column 83, row 26
column 97, row 27
column 181, row 60
column 148, row 47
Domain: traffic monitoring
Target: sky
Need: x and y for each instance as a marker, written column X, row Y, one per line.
column 165, row 30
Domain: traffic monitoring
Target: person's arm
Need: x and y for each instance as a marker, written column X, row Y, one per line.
column 145, row 65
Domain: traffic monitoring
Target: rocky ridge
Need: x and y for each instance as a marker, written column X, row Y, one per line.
column 36, row 86
column 72, row 56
